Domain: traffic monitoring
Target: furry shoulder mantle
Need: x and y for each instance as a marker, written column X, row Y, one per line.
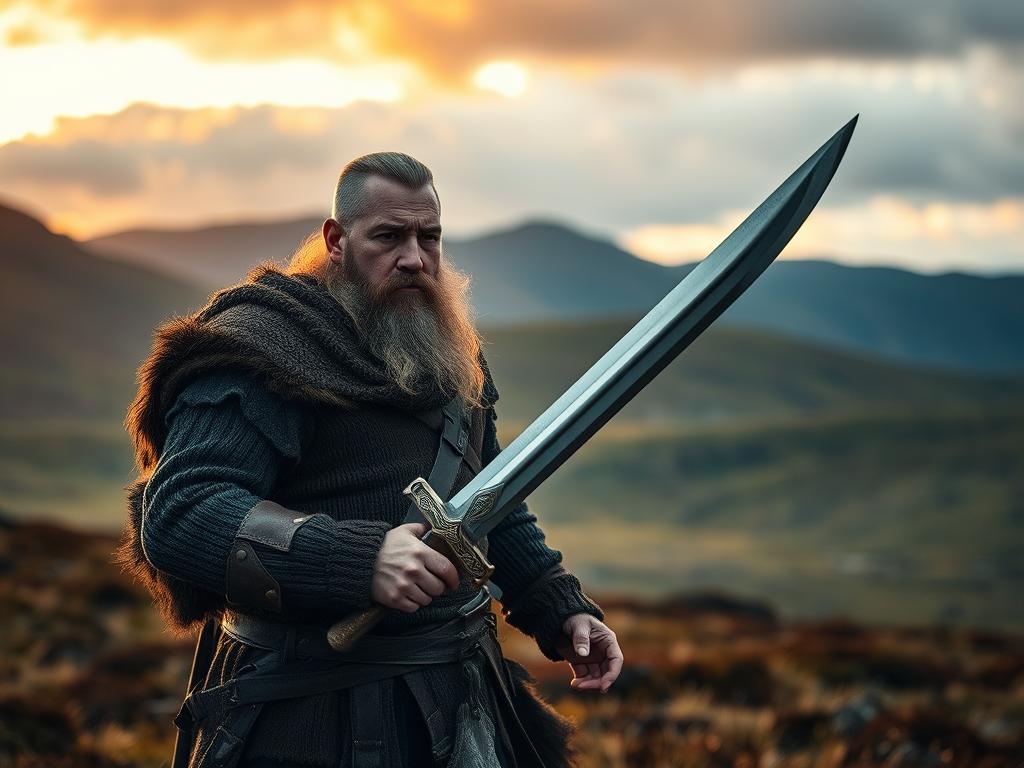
column 285, row 329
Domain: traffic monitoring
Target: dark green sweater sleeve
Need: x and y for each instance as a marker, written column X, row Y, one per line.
column 229, row 438
column 538, row 594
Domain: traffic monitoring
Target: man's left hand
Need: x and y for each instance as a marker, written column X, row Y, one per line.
column 592, row 650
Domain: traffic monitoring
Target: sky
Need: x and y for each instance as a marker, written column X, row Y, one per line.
column 657, row 123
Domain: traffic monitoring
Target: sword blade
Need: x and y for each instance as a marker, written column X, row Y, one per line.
column 707, row 291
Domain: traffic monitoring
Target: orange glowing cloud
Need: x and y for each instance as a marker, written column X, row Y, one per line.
column 926, row 235
column 450, row 39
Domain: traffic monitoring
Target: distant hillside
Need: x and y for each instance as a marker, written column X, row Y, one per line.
column 915, row 513
column 545, row 271
column 730, row 380
column 953, row 320
column 213, row 256
column 912, row 482
column 728, row 375
column 73, row 353
column 73, row 327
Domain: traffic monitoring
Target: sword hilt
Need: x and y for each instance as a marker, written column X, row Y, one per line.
column 468, row 557
column 445, row 536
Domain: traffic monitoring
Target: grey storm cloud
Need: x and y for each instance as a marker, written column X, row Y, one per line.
column 690, row 33
column 102, row 168
column 248, row 146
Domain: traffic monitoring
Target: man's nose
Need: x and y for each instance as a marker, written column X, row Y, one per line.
column 410, row 257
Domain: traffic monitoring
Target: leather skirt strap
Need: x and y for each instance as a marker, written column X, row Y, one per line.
column 434, row 717
column 372, row 719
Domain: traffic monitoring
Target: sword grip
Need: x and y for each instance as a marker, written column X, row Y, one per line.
column 344, row 633
column 445, row 536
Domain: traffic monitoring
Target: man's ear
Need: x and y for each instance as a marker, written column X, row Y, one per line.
column 334, row 239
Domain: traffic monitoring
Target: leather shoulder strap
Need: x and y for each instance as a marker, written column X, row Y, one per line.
column 451, row 451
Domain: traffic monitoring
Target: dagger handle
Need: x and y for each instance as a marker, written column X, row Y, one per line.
column 445, row 536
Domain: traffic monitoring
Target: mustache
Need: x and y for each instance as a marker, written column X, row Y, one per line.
column 421, row 280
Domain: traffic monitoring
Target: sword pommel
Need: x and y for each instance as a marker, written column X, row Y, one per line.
column 343, row 635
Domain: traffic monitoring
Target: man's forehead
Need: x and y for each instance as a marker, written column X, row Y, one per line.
column 386, row 199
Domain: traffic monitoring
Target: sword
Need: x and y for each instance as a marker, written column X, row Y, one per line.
column 708, row 290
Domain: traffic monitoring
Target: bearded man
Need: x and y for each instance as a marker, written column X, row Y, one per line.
column 274, row 432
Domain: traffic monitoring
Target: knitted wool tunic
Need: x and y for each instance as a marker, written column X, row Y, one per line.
column 231, row 443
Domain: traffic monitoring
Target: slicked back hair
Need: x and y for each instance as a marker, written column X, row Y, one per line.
column 349, row 200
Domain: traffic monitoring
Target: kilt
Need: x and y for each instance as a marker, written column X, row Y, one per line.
column 441, row 696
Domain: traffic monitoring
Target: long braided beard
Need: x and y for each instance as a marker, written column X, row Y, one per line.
column 424, row 339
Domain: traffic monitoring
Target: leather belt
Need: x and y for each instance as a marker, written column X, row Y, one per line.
column 438, row 643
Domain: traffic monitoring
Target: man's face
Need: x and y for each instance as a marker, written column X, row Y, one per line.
column 410, row 310
column 394, row 244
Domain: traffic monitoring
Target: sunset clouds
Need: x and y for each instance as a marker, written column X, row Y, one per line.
column 449, row 37
column 657, row 123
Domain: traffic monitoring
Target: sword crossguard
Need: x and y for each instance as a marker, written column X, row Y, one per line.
column 471, row 560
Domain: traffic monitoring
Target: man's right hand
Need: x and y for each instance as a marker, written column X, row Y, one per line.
column 408, row 574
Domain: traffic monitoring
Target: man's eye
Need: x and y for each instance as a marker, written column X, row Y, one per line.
column 386, row 236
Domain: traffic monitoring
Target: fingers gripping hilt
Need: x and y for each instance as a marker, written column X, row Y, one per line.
column 446, row 536
column 470, row 559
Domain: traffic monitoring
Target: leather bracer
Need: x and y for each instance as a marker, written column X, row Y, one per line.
column 248, row 584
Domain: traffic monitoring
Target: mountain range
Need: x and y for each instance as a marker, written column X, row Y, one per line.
column 75, row 326
column 547, row 271
column 75, row 323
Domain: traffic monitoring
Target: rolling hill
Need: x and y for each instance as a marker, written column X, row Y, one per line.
column 547, row 271
column 211, row 256
column 73, row 327
column 727, row 375
column 904, row 517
